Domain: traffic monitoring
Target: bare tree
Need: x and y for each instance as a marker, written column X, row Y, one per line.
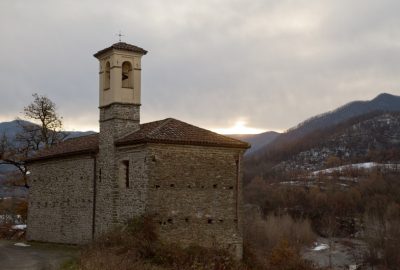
column 43, row 111
column 12, row 155
column 46, row 131
column 29, row 139
column 330, row 228
column 3, row 144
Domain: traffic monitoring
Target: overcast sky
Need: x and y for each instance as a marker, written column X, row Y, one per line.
column 270, row 64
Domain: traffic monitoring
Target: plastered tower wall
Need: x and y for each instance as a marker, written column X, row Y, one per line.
column 61, row 204
column 111, row 85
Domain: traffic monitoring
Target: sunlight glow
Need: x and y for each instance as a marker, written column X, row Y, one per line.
column 238, row 128
column 82, row 123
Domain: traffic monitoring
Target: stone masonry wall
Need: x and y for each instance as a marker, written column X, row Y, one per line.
column 123, row 118
column 195, row 194
column 61, row 200
column 132, row 199
column 116, row 120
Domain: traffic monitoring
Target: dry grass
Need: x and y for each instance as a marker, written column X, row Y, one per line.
column 286, row 257
column 267, row 233
column 136, row 246
column 275, row 242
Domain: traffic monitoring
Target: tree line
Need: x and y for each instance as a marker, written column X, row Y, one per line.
column 369, row 210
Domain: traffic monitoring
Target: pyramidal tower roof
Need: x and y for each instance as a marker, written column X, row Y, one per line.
column 122, row 46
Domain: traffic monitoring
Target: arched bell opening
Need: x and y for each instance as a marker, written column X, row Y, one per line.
column 127, row 77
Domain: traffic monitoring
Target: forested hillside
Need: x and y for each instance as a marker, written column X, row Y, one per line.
column 356, row 132
column 383, row 103
column 371, row 137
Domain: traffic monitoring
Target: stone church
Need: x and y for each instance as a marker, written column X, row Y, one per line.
column 188, row 178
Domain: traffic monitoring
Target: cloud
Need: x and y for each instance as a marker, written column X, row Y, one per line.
column 210, row 62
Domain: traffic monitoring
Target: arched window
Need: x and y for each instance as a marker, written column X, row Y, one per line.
column 127, row 78
column 107, row 76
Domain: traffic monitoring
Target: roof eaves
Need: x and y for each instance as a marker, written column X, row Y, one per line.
column 133, row 48
column 61, row 155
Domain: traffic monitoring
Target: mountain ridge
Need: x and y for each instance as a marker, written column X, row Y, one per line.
column 256, row 141
column 382, row 102
column 357, row 126
column 12, row 128
column 373, row 137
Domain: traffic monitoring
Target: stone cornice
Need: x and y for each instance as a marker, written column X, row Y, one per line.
column 119, row 103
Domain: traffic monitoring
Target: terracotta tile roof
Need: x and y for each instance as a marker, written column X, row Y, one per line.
column 170, row 131
column 122, row 46
column 74, row 146
column 173, row 131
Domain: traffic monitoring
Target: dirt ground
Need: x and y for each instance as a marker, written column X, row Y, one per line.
column 36, row 256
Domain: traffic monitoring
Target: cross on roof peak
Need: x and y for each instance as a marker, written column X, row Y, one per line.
column 120, row 35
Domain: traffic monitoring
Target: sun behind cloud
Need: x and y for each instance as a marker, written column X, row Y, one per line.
column 238, row 128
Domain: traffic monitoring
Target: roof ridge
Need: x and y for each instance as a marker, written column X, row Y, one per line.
column 166, row 121
column 216, row 133
column 80, row 137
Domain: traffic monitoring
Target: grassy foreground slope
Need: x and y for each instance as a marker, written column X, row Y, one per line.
column 137, row 246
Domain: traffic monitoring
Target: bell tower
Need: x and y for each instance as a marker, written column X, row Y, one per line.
column 120, row 87
column 119, row 104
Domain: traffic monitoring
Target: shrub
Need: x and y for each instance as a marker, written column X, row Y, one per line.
column 266, row 234
column 136, row 246
column 285, row 257
column 276, row 239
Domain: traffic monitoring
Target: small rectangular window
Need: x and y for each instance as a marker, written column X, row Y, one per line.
column 126, row 163
column 124, row 173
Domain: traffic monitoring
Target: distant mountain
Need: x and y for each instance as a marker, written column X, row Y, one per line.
column 372, row 137
column 257, row 141
column 383, row 102
column 12, row 128
column 352, row 132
